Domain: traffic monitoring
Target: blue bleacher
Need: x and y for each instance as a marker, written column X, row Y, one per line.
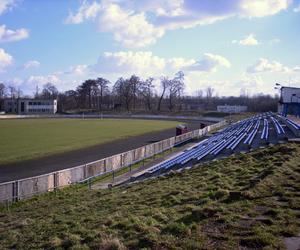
column 265, row 132
column 226, row 139
column 278, row 127
column 292, row 123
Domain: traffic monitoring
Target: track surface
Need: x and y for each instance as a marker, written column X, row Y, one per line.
column 75, row 158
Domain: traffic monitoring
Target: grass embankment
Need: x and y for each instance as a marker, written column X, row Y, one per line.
column 34, row 138
column 249, row 201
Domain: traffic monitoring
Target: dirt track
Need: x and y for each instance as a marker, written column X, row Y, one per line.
column 52, row 163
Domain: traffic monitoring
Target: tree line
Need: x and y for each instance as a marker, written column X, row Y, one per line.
column 135, row 94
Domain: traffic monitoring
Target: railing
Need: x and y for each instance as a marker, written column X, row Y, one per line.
column 26, row 188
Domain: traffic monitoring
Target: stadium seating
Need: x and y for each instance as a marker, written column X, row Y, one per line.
column 265, row 132
column 278, row 127
column 226, row 140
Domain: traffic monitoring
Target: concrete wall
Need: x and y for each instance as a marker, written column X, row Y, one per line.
column 6, row 191
column 25, row 188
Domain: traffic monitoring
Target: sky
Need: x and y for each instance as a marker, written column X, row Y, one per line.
column 234, row 46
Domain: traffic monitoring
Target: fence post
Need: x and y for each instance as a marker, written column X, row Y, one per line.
column 7, row 205
column 15, row 191
column 145, row 149
column 55, row 181
column 90, row 183
column 105, row 170
column 85, row 171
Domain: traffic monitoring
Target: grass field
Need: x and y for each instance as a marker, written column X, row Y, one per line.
column 247, row 201
column 34, row 138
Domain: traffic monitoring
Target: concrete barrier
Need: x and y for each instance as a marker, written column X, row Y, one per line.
column 139, row 154
column 36, row 185
column 116, row 162
column 25, row 188
column 6, row 191
column 149, row 149
column 127, row 158
column 95, row 168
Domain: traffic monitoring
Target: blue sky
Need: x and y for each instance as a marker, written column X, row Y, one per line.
column 230, row 45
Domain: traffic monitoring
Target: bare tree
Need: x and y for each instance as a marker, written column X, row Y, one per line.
column 209, row 92
column 123, row 89
column 19, row 93
column 103, row 88
column 49, row 91
column 199, row 94
column 86, row 91
column 134, row 82
column 37, row 92
column 12, row 92
column 2, row 90
column 175, row 88
column 135, row 93
column 165, row 82
column 2, row 94
column 146, row 91
column 71, row 99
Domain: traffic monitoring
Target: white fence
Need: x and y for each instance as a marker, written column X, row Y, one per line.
column 25, row 188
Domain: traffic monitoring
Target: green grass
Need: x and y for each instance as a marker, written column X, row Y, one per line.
column 109, row 176
column 33, row 138
column 247, row 201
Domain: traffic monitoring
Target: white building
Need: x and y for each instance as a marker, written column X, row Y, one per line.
column 232, row 108
column 30, row 106
column 289, row 102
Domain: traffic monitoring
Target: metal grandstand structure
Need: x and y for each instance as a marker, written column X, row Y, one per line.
column 250, row 133
column 289, row 100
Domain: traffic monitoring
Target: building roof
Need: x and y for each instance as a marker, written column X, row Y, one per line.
column 28, row 99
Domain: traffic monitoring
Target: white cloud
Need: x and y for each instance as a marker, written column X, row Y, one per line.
column 7, row 35
column 195, row 82
column 260, row 8
column 161, row 7
column 77, row 69
column 190, row 13
column 41, row 80
column 130, row 62
column 297, row 9
column 31, row 64
column 85, row 12
column 5, row 60
column 141, row 23
column 130, row 29
column 28, row 85
column 250, row 82
column 296, row 69
column 249, row 40
column 264, row 65
column 274, row 41
column 6, row 4
column 209, row 63
column 146, row 64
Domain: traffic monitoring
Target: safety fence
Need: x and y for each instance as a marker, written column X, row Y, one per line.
column 25, row 188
